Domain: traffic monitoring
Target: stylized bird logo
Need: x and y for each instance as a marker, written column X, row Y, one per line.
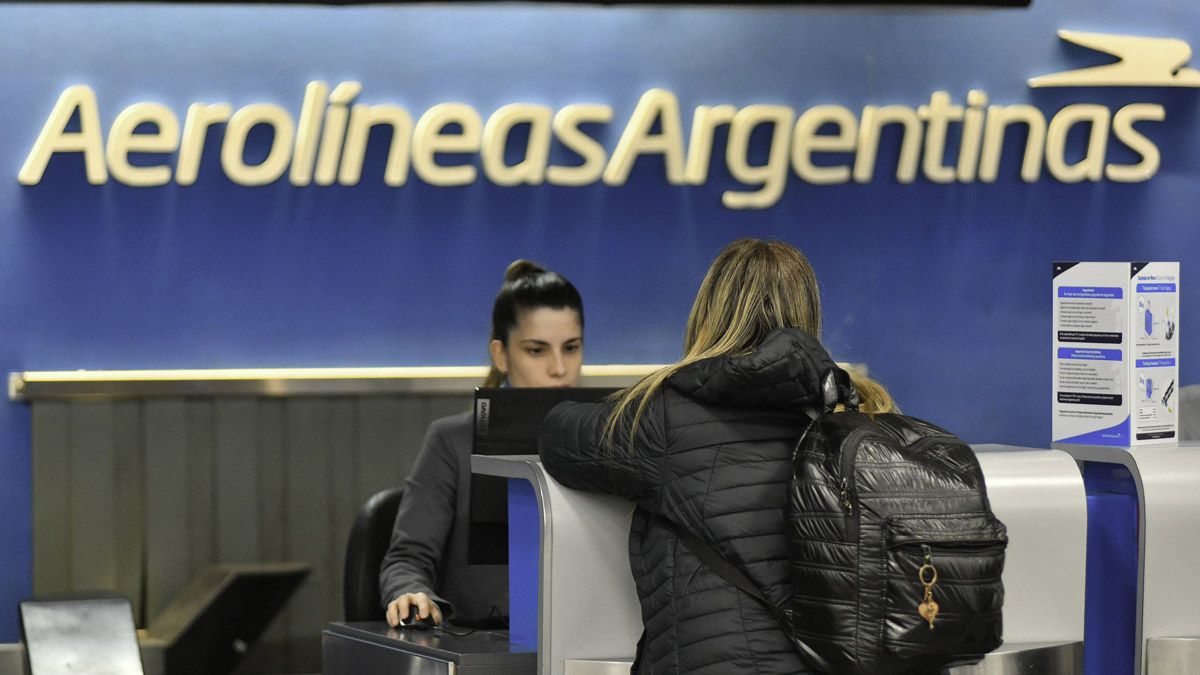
column 1141, row 62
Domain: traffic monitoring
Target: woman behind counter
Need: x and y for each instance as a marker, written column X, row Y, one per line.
column 707, row 443
column 537, row 341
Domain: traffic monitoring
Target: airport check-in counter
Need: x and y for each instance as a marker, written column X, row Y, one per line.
column 1162, row 559
column 586, row 619
column 372, row 648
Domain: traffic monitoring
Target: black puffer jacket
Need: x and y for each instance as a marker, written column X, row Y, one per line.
column 713, row 454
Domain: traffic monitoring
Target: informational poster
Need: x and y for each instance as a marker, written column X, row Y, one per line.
column 1116, row 352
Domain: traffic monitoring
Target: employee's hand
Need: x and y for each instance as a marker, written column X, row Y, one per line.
column 425, row 606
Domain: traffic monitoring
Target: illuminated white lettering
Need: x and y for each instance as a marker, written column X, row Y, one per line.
column 809, row 140
column 567, row 131
column 362, row 119
column 1122, row 125
column 938, row 115
column 770, row 176
column 874, row 118
column 234, row 146
column 656, row 105
column 532, row 169
column 972, row 136
column 430, row 137
column 305, row 154
column 328, row 142
column 705, row 121
column 1091, row 167
column 195, row 129
column 55, row 137
column 998, row 120
column 334, row 132
column 124, row 139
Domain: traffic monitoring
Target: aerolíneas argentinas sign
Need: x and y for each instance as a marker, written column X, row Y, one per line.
column 327, row 143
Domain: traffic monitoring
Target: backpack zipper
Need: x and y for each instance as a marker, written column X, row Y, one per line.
column 943, row 457
column 847, row 461
column 847, row 488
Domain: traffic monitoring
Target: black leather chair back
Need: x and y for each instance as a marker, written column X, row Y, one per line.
column 369, row 539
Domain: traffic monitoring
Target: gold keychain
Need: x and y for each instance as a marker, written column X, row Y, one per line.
column 928, row 576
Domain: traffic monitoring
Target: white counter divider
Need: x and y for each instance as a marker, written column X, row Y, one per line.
column 587, row 604
column 1167, row 480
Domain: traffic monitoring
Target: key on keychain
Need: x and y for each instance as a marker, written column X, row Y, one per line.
column 928, row 577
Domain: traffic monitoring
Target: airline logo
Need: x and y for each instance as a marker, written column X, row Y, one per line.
column 1141, row 62
column 945, row 139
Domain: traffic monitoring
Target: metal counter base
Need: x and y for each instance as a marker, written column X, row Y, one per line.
column 1052, row 658
column 1044, row 658
column 374, row 649
column 1170, row 656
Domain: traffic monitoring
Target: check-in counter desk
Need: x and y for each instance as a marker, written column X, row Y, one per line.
column 371, row 648
column 586, row 620
column 1154, row 558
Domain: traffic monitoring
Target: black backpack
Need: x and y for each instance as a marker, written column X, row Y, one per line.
column 882, row 508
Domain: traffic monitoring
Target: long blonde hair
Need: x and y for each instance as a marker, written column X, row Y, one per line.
column 752, row 288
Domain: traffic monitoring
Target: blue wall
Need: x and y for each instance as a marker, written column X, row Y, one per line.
column 942, row 289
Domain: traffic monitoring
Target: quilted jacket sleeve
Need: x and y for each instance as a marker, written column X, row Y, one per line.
column 572, row 449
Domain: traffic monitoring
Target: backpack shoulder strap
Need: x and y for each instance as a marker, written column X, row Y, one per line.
column 716, row 563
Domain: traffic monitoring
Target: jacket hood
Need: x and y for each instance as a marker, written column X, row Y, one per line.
column 783, row 373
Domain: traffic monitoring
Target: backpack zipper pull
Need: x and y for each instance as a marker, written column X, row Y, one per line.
column 928, row 577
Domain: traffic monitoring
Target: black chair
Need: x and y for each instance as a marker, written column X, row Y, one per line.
column 368, row 543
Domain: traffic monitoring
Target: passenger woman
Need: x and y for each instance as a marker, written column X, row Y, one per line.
column 706, row 443
column 537, row 341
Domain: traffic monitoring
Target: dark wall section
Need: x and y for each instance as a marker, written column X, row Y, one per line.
column 141, row 496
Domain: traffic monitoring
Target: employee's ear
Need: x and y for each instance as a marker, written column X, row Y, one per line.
column 499, row 357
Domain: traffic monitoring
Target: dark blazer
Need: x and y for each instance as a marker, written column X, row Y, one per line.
column 428, row 552
column 713, row 454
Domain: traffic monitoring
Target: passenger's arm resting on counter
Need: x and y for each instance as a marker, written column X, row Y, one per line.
column 422, row 524
column 573, row 450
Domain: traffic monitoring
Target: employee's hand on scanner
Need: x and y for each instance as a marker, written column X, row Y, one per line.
column 424, row 605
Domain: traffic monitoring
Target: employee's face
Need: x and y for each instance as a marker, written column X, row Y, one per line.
column 545, row 349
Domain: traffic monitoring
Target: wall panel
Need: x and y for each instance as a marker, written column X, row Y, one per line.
column 52, row 513
column 271, row 652
column 130, row 498
column 137, row 496
column 94, row 484
column 200, row 436
column 167, row 527
column 236, row 483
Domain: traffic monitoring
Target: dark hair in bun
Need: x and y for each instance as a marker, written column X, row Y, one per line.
column 528, row 286
column 521, row 268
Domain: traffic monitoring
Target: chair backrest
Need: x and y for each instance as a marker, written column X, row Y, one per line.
column 94, row 636
column 368, row 543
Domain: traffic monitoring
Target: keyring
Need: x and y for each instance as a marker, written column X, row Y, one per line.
column 921, row 574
